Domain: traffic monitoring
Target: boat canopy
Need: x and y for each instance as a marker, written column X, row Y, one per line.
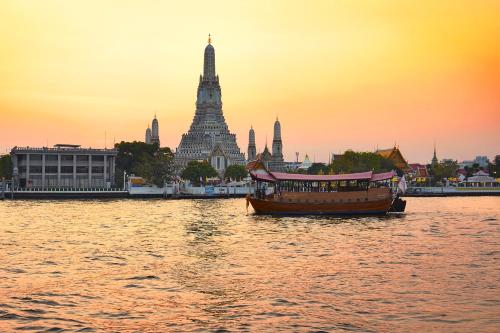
column 272, row 177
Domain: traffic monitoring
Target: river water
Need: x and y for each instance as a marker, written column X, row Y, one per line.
column 207, row 265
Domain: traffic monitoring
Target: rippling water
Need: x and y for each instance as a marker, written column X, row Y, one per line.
column 158, row 266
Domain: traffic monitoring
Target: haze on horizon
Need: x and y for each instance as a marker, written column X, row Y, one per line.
column 339, row 74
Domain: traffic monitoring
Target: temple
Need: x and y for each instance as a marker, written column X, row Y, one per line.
column 394, row 154
column 153, row 135
column 209, row 138
column 272, row 161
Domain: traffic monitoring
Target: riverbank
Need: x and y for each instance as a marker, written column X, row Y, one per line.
column 451, row 192
column 70, row 195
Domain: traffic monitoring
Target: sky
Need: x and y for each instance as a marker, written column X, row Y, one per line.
column 339, row 74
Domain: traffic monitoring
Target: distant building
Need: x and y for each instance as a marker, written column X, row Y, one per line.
column 265, row 158
column 306, row 164
column 394, row 155
column 466, row 164
column 480, row 179
column 63, row 166
column 292, row 166
column 481, row 161
column 418, row 173
column 434, row 161
column 153, row 133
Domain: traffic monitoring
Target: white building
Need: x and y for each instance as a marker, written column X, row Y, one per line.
column 63, row 166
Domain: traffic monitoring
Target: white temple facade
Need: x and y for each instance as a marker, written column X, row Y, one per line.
column 208, row 137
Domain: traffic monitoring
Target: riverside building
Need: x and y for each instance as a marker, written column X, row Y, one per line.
column 63, row 166
column 208, row 137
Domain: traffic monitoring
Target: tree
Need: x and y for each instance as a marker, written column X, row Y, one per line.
column 149, row 161
column 445, row 169
column 5, row 167
column 197, row 171
column 316, row 168
column 235, row 171
column 494, row 168
column 352, row 161
column 162, row 167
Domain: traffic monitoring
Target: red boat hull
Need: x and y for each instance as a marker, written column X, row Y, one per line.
column 375, row 201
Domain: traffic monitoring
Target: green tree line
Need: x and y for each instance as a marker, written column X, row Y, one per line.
column 154, row 164
column 5, row 167
column 351, row 162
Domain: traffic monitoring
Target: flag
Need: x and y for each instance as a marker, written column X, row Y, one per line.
column 402, row 184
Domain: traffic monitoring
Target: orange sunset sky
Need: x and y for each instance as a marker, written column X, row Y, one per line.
column 339, row 74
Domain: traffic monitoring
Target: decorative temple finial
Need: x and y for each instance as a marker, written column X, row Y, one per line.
column 209, row 39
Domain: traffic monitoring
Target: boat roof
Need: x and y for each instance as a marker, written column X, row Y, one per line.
column 272, row 177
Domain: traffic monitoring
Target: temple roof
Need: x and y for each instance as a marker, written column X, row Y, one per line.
column 393, row 154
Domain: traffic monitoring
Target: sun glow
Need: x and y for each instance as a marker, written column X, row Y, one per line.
column 339, row 74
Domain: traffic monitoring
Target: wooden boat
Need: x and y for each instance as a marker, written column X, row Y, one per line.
column 362, row 193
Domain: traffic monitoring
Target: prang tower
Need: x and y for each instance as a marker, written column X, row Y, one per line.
column 252, row 149
column 208, row 137
column 155, row 131
column 153, row 136
column 277, row 159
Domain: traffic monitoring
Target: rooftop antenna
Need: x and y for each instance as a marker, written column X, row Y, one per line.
column 209, row 39
column 105, row 140
column 297, row 156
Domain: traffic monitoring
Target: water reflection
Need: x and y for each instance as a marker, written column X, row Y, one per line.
column 156, row 265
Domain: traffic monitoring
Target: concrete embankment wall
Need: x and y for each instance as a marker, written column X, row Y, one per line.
column 52, row 195
column 450, row 192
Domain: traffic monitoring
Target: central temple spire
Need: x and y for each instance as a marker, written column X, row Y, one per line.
column 208, row 137
column 209, row 61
